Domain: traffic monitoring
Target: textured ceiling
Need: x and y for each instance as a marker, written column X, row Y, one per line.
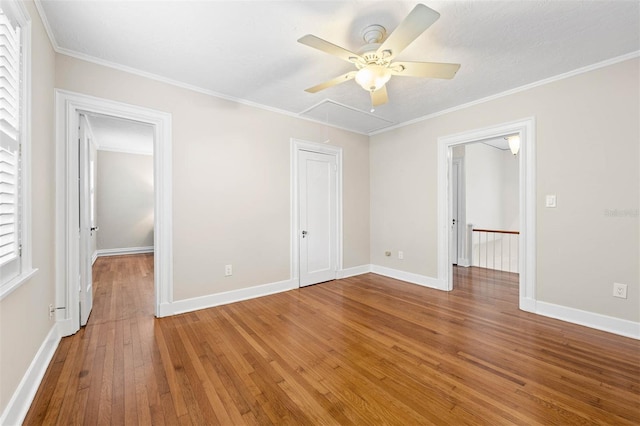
column 248, row 50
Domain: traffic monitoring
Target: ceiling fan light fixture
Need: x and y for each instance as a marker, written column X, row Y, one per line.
column 373, row 77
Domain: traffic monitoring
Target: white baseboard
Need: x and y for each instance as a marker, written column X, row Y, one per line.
column 464, row 262
column 123, row 251
column 18, row 406
column 94, row 257
column 410, row 277
column 589, row 319
column 527, row 304
column 211, row 300
column 575, row 316
column 66, row 327
column 563, row 313
column 352, row 272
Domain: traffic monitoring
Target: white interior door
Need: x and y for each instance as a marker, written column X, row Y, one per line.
column 86, row 282
column 454, row 241
column 318, row 217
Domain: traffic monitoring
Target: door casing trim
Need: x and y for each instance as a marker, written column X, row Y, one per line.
column 68, row 106
column 527, row 201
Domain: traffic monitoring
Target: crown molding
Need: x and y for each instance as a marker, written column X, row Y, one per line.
column 151, row 76
column 193, row 88
column 509, row 92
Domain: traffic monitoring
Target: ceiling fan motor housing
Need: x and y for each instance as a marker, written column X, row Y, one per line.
column 368, row 52
column 373, row 35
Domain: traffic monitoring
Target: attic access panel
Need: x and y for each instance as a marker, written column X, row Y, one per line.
column 343, row 116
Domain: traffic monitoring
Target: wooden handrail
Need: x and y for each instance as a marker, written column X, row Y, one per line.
column 496, row 231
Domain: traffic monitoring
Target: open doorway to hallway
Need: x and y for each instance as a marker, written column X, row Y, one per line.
column 525, row 130
column 116, row 204
column 69, row 107
column 485, row 212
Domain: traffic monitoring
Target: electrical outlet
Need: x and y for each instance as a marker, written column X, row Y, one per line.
column 51, row 311
column 400, row 255
column 228, row 270
column 550, row 201
column 620, row 290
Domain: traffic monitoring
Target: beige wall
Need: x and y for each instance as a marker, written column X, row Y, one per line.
column 491, row 187
column 124, row 200
column 24, row 314
column 588, row 132
column 231, row 184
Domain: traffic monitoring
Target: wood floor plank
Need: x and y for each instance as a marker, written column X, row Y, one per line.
column 96, row 372
column 170, row 365
column 66, row 375
column 363, row 350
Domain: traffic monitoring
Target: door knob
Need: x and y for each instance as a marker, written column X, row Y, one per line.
column 304, row 234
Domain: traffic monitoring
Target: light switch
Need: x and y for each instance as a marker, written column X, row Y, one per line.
column 550, row 201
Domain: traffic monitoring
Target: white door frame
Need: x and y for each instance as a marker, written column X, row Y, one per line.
column 527, row 202
column 68, row 107
column 297, row 146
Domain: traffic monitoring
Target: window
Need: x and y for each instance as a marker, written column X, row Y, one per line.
column 15, row 260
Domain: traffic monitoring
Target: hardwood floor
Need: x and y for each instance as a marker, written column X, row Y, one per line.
column 363, row 350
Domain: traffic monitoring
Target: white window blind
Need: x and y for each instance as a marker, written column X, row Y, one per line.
column 9, row 146
column 8, row 207
column 9, row 77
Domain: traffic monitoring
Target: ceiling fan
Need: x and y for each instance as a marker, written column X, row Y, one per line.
column 373, row 61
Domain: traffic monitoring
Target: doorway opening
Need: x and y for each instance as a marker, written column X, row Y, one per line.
column 70, row 242
column 485, row 206
column 485, row 217
column 449, row 148
column 116, row 195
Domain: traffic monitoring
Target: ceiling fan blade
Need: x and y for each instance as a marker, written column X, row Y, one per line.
column 416, row 22
column 379, row 97
column 341, row 79
column 424, row 69
column 330, row 48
